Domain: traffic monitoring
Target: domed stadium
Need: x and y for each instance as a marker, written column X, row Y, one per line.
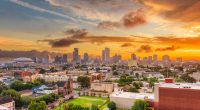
column 23, row 60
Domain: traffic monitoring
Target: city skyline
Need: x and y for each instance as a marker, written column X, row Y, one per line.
column 143, row 27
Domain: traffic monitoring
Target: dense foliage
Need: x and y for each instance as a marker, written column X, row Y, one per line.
column 140, row 105
column 19, row 85
column 14, row 94
column 84, row 81
column 3, row 87
column 125, row 80
column 112, row 105
column 37, row 105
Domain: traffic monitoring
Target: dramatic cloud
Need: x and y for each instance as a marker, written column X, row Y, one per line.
column 171, row 48
column 74, row 36
column 134, row 18
column 82, row 36
column 129, row 20
column 186, row 11
column 144, row 48
column 108, row 25
column 80, row 33
column 127, row 45
column 63, row 42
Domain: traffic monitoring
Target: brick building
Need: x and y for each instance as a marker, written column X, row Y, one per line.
column 177, row 96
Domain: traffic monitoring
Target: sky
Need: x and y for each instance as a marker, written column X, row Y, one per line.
column 143, row 27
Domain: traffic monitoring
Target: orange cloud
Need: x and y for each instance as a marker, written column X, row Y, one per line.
column 127, row 45
column 171, row 48
column 186, row 11
column 144, row 48
column 129, row 20
column 82, row 36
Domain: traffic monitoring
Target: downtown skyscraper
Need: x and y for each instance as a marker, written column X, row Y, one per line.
column 106, row 55
column 76, row 55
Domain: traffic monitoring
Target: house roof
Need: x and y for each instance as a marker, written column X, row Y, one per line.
column 5, row 99
column 61, row 83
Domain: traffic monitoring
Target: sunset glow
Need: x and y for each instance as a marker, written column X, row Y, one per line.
column 144, row 27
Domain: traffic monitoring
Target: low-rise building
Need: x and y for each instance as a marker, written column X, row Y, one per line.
column 26, row 76
column 125, row 100
column 7, row 103
column 46, row 89
column 53, row 77
column 65, row 88
column 102, row 89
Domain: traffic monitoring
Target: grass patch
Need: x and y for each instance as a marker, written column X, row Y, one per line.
column 86, row 101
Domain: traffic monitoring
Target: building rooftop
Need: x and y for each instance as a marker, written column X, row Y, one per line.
column 181, row 85
column 132, row 95
column 5, row 99
column 23, row 59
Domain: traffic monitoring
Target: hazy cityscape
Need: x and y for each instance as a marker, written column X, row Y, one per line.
column 99, row 55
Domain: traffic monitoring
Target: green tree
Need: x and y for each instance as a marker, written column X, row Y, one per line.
column 152, row 81
column 84, row 81
column 86, row 108
column 48, row 98
column 14, row 94
column 178, row 79
column 133, row 89
column 42, row 71
column 98, row 69
column 52, row 69
column 168, row 73
column 94, row 107
column 187, row 78
column 115, row 73
column 137, row 75
column 125, row 80
column 114, row 67
column 17, row 85
column 3, row 87
column 66, row 107
column 37, row 105
column 136, row 85
column 77, row 107
column 71, row 106
column 39, row 81
column 112, row 105
column 26, row 100
column 140, row 105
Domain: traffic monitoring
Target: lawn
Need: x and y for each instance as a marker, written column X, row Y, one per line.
column 86, row 101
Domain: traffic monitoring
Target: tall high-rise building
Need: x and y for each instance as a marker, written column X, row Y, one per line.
column 116, row 58
column 106, row 55
column 85, row 57
column 75, row 55
column 165, row 58
column 149, row 59
column 103, row 55
column 155, row 57
column 58, row 59
column 64, row 58
column 133, row 57
column 47, row 59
